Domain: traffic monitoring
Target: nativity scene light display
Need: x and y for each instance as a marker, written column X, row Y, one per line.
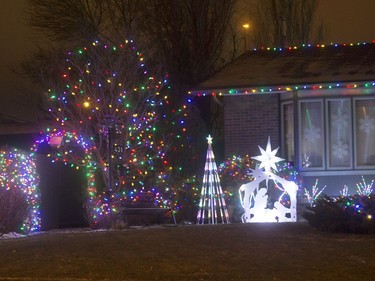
column 268, row 197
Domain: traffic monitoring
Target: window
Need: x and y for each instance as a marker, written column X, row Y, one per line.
column 365, row 132
column 333, row 133
column 311, row 134
column 339, row 129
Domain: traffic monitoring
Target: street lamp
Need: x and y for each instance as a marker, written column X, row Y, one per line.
column 246, row 27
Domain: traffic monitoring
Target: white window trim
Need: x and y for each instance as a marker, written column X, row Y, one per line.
column 283, row 144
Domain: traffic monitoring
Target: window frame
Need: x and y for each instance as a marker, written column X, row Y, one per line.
column 282, row 131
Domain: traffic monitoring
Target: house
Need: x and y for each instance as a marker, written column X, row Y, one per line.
column 317, row 103
column 17, row 132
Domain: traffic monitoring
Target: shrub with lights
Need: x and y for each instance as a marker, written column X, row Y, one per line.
column 346, row 213
column 233, row 173
column 349, row 214
column 183, row 198
column 19, row 193
column 114, row 119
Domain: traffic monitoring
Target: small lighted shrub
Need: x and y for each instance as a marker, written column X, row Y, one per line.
column 233, row 173
column 105, row 211
column 14, row 210
column 349, row 214
column 19, row 194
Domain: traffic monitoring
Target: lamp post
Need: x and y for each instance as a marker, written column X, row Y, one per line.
column 246, row 28
column 108, row 127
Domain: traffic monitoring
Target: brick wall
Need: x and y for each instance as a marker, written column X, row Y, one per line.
column 248, row 121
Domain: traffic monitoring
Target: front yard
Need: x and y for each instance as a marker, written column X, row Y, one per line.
column 289, row 251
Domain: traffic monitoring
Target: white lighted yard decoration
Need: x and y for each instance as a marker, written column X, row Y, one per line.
column 212, row 207
column 315, row 193
column 255, row 195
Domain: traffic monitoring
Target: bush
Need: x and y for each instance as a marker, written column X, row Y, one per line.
column 350, row 214
column 107, row 212
column 14, row 210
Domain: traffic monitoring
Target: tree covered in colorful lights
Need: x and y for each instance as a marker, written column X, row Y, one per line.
column 113, row 117
column 190, row 48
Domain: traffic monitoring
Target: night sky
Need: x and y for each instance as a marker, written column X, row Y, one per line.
column 347, row 21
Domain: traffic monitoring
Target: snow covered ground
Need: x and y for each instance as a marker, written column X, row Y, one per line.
column 11, row 235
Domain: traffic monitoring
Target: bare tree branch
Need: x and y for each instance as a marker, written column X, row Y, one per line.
column 298, row 14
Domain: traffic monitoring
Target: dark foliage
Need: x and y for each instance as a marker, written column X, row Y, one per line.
column 350, row 214
column 14, row 210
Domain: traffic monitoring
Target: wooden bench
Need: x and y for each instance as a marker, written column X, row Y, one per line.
column 147, row 211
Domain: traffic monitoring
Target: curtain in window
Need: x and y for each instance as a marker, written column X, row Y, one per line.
column 312, row 134
column 339, row 137
column 365, row 132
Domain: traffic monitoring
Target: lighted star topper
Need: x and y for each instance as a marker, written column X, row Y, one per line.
column 209, row 139
column 268, row 159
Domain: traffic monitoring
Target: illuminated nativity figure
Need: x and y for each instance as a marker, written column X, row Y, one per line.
column 258, row 197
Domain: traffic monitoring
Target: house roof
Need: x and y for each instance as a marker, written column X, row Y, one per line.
column 12, row 125
column 295, row 66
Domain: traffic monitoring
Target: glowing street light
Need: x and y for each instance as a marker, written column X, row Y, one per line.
column 246, row 27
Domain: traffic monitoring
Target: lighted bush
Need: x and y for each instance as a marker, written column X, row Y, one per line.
column 104, row 212
column 181, row 195
column 350, row 214
column 14, row 210
column 19, row 195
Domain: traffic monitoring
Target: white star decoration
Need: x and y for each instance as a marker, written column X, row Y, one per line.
column 209, row 139
column 268, row 159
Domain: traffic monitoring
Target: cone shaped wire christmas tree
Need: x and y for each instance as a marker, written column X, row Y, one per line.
column 212, row 207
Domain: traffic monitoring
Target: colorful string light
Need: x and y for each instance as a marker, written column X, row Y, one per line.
column 18, row 171
column 104, row 94
column 291, row 88
column 288, row 88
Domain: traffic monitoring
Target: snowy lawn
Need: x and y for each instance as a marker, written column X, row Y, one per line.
column 289, row 251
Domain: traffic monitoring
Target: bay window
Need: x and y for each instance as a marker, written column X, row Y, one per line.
column 333, row 133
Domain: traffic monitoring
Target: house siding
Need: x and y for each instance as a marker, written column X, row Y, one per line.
column 249, row 121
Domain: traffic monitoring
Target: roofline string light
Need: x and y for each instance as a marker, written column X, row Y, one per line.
column 304, row 46
column 288, row 88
